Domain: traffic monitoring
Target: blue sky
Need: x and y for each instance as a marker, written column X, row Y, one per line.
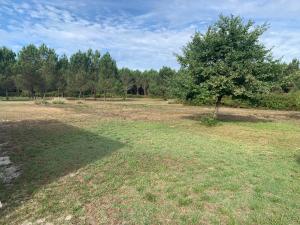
column 140, row 34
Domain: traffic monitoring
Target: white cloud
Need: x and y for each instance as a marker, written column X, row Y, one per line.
column 131, row 46
column 145, row 40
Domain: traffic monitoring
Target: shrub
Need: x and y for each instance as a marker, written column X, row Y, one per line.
column 58, row 101
column 150, row 197
column 289, row 101
column 209, row 121
column 41, row 102
column 173, row 101
column 280, row 101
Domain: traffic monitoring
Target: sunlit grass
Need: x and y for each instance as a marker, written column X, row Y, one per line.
column 147, row 172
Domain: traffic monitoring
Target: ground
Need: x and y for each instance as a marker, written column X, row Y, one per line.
column 144, row 161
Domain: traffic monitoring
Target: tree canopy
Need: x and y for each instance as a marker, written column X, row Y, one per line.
column 228, row 60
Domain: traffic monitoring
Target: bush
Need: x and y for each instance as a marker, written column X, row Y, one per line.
column 58, row 101
column 280, row 101
column 41, row 102
column 173, row 101
column 283, row 101
column 209, row 121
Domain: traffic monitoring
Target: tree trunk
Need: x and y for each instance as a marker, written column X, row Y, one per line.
column 6, row 94
column 79, row 94
column 104, row 95
column 217, row 106
column 58, row 92
column 32, row 93
column 125, row 93
column 95, row 93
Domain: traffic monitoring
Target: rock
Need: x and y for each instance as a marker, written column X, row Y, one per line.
column 27, row 223
column 68, row 217
column 40, row 221
column 7, row 174
column 4, row 161
column 72, row 174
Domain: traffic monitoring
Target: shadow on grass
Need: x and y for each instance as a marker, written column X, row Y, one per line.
column 298, row 157
column 102, row 99
column 228, row 118
column 46, row 151
column 293, row 115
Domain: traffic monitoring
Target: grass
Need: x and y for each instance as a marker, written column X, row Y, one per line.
column 114, row 170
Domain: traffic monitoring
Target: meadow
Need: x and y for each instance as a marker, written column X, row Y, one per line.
column 144, row 161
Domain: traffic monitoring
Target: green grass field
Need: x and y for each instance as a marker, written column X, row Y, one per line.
column 147, row 162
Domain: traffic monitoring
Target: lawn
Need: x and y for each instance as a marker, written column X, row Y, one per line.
column 148, row 162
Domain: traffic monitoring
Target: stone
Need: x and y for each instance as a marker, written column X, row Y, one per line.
column 7, row 174
column 40, row 221
column 4, row 161
column 68, row 217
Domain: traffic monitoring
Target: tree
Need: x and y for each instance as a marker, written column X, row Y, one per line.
column 29, row 64
column 108, row 75
column 290, row 75
column 7, row 62
column 183, row 86
column 138, row 80
column 78, row 76
column 93, row 70
column 165, row 75
column 153, row 85
column 127, row 80
column 47, row 69
column 228, row 60
column 145, row 80
column 62, row 69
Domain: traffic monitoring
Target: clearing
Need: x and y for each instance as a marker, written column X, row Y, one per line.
column 144, row 161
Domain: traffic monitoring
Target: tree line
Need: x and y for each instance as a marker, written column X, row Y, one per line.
column 38, row 70
column 227, row 60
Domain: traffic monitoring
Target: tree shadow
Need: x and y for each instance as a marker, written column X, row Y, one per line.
column 47, row 150
column 298, row 157
column 108, row 99
column 228, row 118
column 292, row 115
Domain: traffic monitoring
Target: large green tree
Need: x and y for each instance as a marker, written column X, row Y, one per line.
column 93, row 70
column 165, row 76
column 127, row 80
column 78, row 76
column 48, row 68
column 7, row 62
column 228, row 60
column 108, row 75
column 62, row 68
column 29, row 64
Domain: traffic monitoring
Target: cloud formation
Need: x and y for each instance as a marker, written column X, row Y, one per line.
column 139, row 34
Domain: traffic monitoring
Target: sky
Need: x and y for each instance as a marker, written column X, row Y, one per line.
column 140, row 34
